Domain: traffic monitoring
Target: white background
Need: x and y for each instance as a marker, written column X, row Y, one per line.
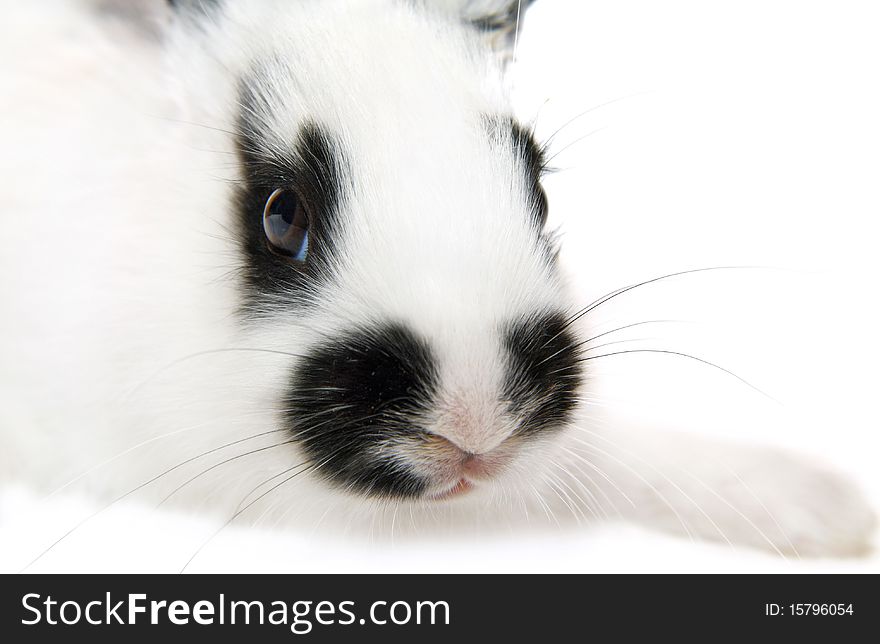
column 711, row 134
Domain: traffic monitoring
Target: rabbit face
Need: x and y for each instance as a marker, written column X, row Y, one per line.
column 391, row 219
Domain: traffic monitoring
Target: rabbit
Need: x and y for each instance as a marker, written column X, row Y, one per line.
column 292, row 258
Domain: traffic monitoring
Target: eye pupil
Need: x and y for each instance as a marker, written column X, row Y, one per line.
column 286, row 224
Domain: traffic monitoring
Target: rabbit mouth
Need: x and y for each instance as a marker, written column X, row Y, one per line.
column 462, row 486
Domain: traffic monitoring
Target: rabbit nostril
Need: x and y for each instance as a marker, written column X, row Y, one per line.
column 473, row 465
column 483, row 466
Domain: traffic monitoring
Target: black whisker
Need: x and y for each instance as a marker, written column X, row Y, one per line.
column 683, row 355
column 242, row 510
column 620, row 291
column 571, row 143
column 612, row 343
column 141, row 486
column 205, row 353
column 224, row 462
column 194, row 124
column 620, row 328
column 549, row 139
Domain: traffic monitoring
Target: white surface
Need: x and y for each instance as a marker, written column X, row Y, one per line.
column 737, row 135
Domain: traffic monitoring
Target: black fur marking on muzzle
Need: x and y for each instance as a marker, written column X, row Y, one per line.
column 543, row 372
column 352, row 395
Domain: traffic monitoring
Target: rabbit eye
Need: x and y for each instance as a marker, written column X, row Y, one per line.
column 286, row 224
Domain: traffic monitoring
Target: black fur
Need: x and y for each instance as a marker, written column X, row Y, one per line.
column 543, row 372
column 375, row 386
column 352, row 393
column 532, row 157
column 315, row 169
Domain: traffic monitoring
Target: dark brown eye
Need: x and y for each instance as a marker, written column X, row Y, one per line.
column 286, row 224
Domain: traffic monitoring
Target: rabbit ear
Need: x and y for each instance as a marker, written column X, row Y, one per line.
column 498, row 20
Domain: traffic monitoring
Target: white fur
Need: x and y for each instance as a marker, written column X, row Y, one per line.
column 121, row 353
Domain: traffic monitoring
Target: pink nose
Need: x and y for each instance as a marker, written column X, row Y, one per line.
column 479, row 466
column 475, row 466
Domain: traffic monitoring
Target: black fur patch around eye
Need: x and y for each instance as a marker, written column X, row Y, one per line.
column 543, row 372
column 525, row 148
column 533, row 155
column 315, row 169
column 353, row 393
